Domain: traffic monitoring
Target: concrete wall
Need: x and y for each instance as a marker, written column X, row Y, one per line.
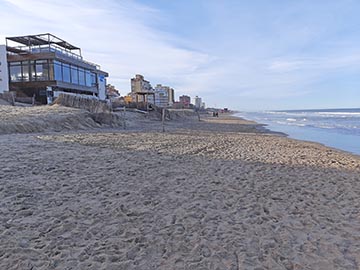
column 102, row 86
column 4, row 74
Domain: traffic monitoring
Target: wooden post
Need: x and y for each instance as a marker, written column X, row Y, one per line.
column 12, row 99
column 110, row 106
column 198, row 114
column 163, row 119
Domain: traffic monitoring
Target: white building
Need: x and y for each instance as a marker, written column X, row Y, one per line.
column 197, row 102
column 4, row 75
column 164, row 96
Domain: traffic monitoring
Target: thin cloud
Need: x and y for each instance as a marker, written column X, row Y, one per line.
column 348, row 60
column 114, row 35
column 273, row 51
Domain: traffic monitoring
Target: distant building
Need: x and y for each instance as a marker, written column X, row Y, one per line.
column 139, row 84
column 171, row 92
column 203, row 106
column 185, row 101
column 161, row 96
column 141, row 89
column 128, row 99
column 197, row 102
column 164, row 96
column 44, row 65
column 112, row 92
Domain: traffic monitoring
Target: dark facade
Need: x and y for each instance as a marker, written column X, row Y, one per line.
column 185, row 101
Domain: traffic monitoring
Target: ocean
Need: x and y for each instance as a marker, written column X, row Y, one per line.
column 338, row 128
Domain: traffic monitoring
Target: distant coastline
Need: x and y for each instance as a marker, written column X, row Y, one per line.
column 337, row 128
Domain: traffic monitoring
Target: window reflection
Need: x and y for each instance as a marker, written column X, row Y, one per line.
column 32, row 71
column 25, row 71
column 93, row 79
column 66, row 72
column 87, row 78
column 74, row 75
column 15, row 73
column 42, row 70
column 57, row 71
column 45, row 70
column 81, row 76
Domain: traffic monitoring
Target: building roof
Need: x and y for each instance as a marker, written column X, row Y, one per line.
column 42, row 39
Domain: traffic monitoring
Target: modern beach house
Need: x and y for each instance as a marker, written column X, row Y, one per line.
column 43, row 66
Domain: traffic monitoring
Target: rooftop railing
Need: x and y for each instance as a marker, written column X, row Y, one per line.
column 52, row 48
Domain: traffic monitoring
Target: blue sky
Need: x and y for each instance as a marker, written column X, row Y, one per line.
column 245, row 55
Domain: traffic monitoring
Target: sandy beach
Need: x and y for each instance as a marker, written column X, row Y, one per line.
column 220, row 193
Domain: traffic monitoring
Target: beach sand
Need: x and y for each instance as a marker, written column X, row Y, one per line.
column 221, row 193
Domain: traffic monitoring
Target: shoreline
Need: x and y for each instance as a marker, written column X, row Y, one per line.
column 301, row 139
column 209, row 194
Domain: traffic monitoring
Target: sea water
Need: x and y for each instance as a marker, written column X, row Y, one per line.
column 338, row 128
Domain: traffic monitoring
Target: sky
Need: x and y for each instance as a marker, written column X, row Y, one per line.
column 242, row 54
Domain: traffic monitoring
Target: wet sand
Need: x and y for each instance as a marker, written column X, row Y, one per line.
column 215, row 194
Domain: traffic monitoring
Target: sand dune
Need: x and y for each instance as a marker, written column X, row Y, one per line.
column 15, row 119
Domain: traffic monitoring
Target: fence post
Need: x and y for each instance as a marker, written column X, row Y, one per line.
column 163, row 119
column 12, row 99
column 124, row 117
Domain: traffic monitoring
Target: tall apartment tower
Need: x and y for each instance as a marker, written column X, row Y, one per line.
column 164, row 96
column 171, row 96
column 140, row 85
column 197, row 101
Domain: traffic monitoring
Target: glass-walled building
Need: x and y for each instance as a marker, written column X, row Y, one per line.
column 50, row 70
column 43, row 65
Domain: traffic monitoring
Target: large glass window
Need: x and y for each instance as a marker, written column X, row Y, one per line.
column 57, row 71
column 93, row 79
column 32, row 71
column 74, row 75
column 51, row 70
column 25, row 71
column 63, row 72
column 42, row 70
column 81, row 76
column 15, row 72
column 87, row 78
column 66, row 73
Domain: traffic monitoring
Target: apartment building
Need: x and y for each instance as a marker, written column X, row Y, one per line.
column 197, row 102
column 141, row 89
column 164, row 96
